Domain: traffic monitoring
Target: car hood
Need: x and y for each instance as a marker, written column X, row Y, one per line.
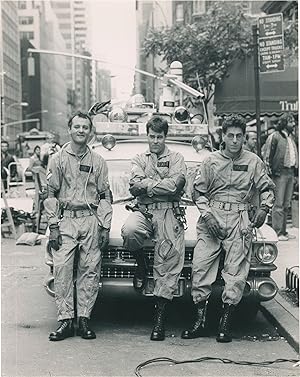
column 120, row 214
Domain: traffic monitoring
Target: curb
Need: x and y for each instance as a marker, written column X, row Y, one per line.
column 285, row 317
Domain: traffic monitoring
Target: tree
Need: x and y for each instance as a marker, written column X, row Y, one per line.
column 206, row 48
column 291, row 38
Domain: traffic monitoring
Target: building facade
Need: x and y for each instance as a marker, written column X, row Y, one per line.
column 38, row 25
column 72, row 18
column 103, row 85
column 10, row 70
column 150, row 14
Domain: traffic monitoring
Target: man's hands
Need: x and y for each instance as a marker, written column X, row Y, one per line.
column 137, row 189
column 213, row 226
column 103, row 238
column 55, row 240
column 260, row 217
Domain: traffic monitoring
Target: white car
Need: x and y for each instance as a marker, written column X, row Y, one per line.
column 118, row 265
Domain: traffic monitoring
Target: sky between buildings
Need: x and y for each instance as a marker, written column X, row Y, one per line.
column 113, row 38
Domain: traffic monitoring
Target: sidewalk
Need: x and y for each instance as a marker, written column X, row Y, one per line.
column 283, row 314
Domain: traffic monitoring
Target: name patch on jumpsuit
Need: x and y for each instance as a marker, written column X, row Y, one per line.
column 163, row 164
column 240, row 167
column 86, row 168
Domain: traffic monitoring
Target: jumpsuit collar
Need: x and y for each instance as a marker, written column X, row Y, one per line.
column 69, row 150
column 165, row 153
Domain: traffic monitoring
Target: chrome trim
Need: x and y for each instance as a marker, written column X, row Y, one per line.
column 47, row 285
column 258, row 245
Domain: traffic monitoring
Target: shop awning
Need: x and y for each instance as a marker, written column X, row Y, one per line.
column 278, row 91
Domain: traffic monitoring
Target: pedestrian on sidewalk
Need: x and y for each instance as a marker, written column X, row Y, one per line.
column 281, row 158
column 223, row 189
column 8, row 166
column 250, row 142
column 79, row 213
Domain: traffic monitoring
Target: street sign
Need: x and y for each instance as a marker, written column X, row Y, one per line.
column 271, row 43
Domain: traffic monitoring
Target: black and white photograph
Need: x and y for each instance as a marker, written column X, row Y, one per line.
column 149, row 188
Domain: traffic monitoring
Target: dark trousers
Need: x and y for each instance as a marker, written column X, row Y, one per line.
column 283, row 196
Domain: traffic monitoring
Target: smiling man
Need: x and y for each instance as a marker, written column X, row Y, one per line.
column 79, row 213
column 157, row 180
column 223, row 190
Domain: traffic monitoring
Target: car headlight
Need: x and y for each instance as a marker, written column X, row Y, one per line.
column 108, row 141
column 266, row 253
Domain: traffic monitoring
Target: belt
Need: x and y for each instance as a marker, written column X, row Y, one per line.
column 228, row 206
column 160, row 205
column 77, row 213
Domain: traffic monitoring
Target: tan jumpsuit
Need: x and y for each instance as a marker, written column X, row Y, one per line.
column 67, row 177
column 163, row 175
column 225, row 188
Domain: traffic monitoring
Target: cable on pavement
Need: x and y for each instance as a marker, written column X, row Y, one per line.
column 207, row 358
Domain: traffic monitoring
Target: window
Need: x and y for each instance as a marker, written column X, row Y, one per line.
column 60, row 5
column 63, row 15
column 179, row 13
column 25, row 20
column 27, row 35
column 66, row 35
column 198, row 7
column 22, row 5
column 65, row 26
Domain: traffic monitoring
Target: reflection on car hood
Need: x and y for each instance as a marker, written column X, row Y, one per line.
column 120, row 214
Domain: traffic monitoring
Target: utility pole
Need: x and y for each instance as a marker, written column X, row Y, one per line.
column 257, row 88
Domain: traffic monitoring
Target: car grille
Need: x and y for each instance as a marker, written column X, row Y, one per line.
column 128, row 272
column 112, row 254
column 117, row 272
column 120, row 263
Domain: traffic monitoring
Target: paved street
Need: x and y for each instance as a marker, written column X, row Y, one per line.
column 123, row 329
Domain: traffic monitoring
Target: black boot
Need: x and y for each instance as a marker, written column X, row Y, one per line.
column 83, row 329
column 158, row 332
column 65, row 330
column 224, row 326
column 140, row 276
column 198, row 328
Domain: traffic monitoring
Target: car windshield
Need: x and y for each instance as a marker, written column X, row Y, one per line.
column 119, row 175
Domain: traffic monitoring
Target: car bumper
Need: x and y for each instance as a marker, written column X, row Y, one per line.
column 257, row 288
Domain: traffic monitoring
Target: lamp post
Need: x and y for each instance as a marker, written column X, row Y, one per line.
column 22, row 104
column 36, row 112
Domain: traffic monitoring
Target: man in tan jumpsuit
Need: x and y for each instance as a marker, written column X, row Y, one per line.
column 223, row 189
column 157, row 181
column 79, row 213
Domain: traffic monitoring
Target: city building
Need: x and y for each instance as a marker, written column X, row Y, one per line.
column 150, row 14
column 38, row 25
column 10, row 71
column 103, row 85
column 73, row 23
